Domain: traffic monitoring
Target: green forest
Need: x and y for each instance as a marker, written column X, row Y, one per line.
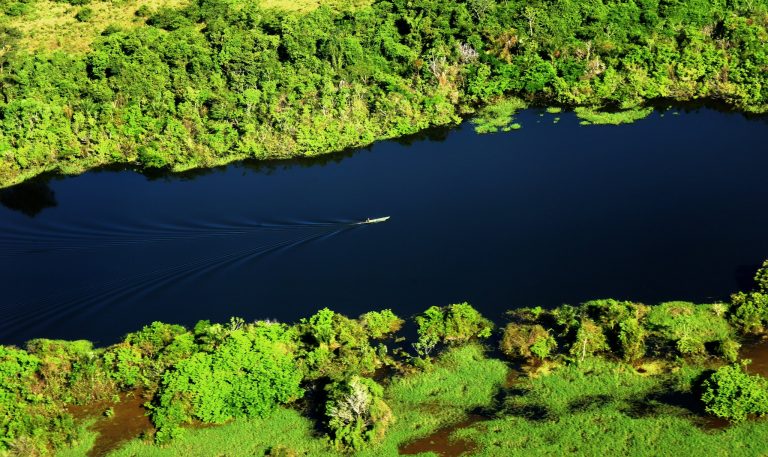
column 603, row 376
column 179, row 85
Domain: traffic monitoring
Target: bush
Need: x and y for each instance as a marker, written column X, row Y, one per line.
column 338, row 347
column 761, row 278
column 590, row 340
column 689, row 328
column 248, row 375
column 732, row 394
column 522, row 341
column 631, row 339
column 456, row 323
column 749, row 311
column 84, row 15
column 381, row 324
column 357, row 414
column 71, row 370
column 30, row 421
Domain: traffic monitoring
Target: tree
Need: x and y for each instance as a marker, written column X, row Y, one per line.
column 356, row 412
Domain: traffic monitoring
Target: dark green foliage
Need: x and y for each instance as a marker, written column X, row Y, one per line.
column 356, row 412
column 247, row 375
column 733, row 394
column 84, row 15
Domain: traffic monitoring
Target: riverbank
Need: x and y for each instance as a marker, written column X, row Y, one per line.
column 203, row 84
column 341, row 385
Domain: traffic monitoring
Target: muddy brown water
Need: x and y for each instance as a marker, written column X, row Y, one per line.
column 441, row 443
column 128, row 421
column 758, row 353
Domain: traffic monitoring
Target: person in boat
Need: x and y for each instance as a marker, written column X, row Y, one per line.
column 368, row 220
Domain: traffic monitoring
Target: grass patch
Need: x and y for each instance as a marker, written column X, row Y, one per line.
column 53, row 26
column 607, row 408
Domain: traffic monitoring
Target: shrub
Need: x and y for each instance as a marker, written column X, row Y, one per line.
column 689, row 328
column 590, row 340
column 30, row 421
column 144, row 355
column 84, row 15
column 522, row 341
column 248, row 375
column 761, row 278
column 749, row 311
column 457, row 323
column 338, row 347
column 733, row 394
column 631, row 339
column 70, row 370
column 356, row 412
column 381, row 324
column 144, row 11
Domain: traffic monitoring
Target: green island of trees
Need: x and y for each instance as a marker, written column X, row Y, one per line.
column 606, row 376
column 181, row 84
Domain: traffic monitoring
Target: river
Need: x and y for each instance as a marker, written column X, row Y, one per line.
column 671, row 207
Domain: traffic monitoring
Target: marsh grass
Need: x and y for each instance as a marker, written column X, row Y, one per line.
column 607, row 408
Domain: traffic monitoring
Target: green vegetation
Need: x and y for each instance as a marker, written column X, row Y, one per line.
column 597, row 117
column 499, row 116
column 178, row 85
column 332, row 385
column 733, row 394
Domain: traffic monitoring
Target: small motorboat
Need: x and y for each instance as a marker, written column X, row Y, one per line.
column 374, row 221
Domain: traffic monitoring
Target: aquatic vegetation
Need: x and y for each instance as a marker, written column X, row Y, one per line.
column 499, row 116
column 598, row 117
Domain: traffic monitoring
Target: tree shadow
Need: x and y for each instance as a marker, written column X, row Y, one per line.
column 29, row 198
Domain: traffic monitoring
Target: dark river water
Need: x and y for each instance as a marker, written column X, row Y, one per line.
column 672, row 207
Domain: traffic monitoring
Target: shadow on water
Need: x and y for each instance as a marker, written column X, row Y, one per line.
column 33, row 196
column 29, row 198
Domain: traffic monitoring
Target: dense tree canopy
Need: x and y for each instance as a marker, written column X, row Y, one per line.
column 220, row 80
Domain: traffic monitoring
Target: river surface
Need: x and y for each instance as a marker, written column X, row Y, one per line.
column 671, row 207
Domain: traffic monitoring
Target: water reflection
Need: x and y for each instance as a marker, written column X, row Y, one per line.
column 29, row 198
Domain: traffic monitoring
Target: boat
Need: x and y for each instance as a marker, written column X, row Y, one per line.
column 374, row 221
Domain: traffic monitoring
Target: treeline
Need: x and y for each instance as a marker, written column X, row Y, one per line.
column 332, row 367
column 221, row 80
